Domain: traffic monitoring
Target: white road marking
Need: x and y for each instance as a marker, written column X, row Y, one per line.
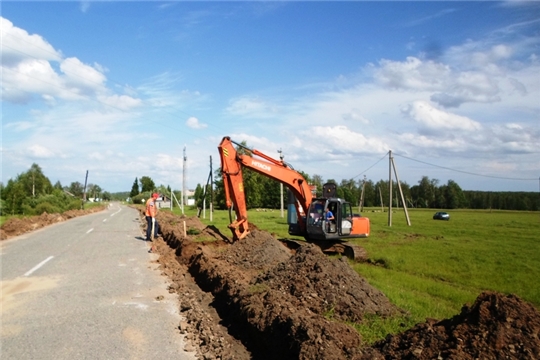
column 137, row 305
column 89, row 231
column 29, row 272
column 116, row 212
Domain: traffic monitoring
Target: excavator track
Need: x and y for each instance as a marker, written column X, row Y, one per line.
column 353, row 252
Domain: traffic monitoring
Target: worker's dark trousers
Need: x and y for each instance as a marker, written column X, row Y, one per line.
column 149, row 228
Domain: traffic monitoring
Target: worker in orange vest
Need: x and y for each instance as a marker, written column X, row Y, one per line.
column 151, row 222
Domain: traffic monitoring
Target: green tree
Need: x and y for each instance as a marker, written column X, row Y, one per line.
column 106, row 196
column 76, row 189
column 34, row 182
column 454, row 196
column 20, row 195
column 426, row 194
column 198, row 195
column 147, row 184
column 134, row 189
column 13, row 196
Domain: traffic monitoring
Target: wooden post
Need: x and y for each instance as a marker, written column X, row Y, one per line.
column 361, row 205
column 401, row 193
column 84, row 190
column 390, row 188
column 281, row 185
column 211, row 190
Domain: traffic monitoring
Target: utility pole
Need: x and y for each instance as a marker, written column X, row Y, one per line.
column 84, row 190
column 390, row 188
column 401, row 194
column 281, row 184
column 210, row 183
column 361, row 204
column 184, row 192
column 211, row 190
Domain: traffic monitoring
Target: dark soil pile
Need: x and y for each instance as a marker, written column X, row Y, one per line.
column 326, row 287
column 279, row 303
column 494, row 327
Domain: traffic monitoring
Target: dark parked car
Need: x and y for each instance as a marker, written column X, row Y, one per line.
column 441, row 215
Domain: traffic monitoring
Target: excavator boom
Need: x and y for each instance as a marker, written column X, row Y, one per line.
column 331, row 235
column 231, row 167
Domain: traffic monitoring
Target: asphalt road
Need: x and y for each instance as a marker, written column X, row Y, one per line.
column 87, row 289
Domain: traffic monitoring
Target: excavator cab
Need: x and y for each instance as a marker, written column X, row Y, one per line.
column 320, row 227
column 343, row 224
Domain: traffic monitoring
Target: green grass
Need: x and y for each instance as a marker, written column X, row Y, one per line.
column 432, row 268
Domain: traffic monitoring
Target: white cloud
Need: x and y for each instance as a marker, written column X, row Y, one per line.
column 120, row 102
column 412, row 74
column 18, row 45
column 418, row 144
column 194, row 123
column 432, row 118
column 39, row 151
column 341, row 140
column 29, row 75
column 251, row 107
column 80, row 76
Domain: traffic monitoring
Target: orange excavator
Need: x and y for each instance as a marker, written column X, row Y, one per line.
column 308, row 216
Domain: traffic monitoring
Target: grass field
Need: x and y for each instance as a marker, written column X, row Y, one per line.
column 432, row 268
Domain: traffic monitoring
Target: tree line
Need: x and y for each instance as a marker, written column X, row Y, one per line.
column 32, row 193
column 263, row 192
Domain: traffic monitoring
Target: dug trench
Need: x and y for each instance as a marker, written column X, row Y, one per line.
column 257, row 299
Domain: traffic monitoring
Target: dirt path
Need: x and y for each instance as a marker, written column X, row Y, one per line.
column 256, row 299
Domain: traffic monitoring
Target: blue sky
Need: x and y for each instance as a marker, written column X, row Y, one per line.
column 121, row 88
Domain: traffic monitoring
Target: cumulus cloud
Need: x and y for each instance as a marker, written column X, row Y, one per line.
column 81, row 76
column 120, row 102
column 412, row 74
column 341, row 140
column 29, row 74
column 194, row 123
column 41, row 152
column 473, row 72
column 18, row 46
column 432, row 118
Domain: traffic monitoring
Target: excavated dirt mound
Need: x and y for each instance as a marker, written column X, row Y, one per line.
column 494, row 327
column 18, row 226
column 256, row 299
column 273, row 302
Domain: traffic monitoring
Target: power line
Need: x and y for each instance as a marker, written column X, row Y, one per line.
column 378, row 161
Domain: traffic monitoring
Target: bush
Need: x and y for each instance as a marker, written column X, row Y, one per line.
column 46, row 207
column 73, row 204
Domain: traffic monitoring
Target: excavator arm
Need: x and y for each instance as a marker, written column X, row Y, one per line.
column 232, row 163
